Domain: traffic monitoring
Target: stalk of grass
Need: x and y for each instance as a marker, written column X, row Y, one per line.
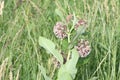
column 3, row 68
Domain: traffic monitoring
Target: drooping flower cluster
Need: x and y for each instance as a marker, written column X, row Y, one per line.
column 80, row 22
column 83, row 48
column 60, row 30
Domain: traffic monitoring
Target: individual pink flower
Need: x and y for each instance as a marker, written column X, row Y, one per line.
column 60, row 30
column 83, row 48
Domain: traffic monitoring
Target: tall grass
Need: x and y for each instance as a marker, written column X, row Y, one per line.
column 23, row 21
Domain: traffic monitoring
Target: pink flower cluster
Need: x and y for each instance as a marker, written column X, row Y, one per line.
column 60, row 30
column 83, row 48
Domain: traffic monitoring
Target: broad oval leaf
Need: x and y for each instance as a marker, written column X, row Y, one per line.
column 65, row 76
column 70, row 66
column 50, row 46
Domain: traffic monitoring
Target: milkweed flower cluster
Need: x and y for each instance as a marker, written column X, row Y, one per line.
column 83, row 48
column 60, row 31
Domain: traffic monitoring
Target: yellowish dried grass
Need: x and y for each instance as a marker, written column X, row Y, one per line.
column 3, row 68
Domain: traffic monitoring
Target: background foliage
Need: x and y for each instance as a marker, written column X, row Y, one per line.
column 23, row 21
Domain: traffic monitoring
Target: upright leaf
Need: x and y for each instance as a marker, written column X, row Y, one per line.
column 69, row 67
column 50, row 46
column 64, row 76
column 71, row 64
column 80, row 31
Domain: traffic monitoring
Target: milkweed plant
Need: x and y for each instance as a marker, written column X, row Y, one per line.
column 69, row 29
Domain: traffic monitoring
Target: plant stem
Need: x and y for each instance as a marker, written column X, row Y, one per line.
column 53, row 71
column 68, row 48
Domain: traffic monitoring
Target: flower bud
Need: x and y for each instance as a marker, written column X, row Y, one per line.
column 81, row 22
column 69, row 18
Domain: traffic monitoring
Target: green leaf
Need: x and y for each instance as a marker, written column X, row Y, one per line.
column 43, row 71
column 80, row 31
column 50, row 46
column 60, row 14
column 65, row 76
column 64, row 45
column 70, row 66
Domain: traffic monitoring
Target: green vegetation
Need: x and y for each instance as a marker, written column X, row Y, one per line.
column 24, row 21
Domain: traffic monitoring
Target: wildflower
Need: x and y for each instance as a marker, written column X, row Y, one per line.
column 83, row 48
column 80, row 22
column 1, row 7
column 69, row 18
column 60, row 30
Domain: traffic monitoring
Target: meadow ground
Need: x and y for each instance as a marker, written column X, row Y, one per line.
column 23, row 21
